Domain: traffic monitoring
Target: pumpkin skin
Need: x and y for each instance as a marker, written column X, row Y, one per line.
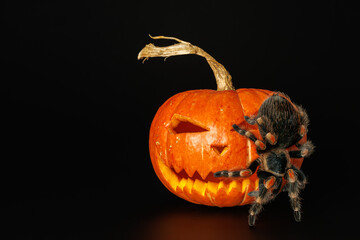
column 191, row 138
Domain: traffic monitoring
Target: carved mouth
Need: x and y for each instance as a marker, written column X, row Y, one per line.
column 208, row 191
column 209, row 178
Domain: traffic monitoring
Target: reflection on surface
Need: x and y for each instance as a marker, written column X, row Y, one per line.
column 188, row 221
column 197, row 222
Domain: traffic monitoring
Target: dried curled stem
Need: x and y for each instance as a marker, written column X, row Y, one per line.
column 222, row 76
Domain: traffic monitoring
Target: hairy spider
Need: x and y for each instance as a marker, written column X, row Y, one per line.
column 281, row 124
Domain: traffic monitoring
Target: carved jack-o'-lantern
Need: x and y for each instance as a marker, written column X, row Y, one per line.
column 191, row 136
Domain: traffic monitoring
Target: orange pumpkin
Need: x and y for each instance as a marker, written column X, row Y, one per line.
column 191, row 137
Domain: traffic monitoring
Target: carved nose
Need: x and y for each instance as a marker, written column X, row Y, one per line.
column 219, row 149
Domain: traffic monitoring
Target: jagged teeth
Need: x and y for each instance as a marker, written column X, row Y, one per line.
column 204, row 174
column 190, row 171
column 198, row 190
column 177, row 168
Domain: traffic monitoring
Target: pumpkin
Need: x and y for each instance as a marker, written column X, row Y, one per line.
column 191, row 136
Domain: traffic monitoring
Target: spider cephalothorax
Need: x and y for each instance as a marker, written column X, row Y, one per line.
column 281, row 124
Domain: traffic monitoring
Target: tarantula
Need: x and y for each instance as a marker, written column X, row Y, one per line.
column 281, row 124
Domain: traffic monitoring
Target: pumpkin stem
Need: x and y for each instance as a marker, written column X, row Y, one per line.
column 222, row 76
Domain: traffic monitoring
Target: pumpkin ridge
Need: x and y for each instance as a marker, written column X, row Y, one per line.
column 241, row 104
column 248, row 143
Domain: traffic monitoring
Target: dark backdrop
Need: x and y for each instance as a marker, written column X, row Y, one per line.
column 76, row 108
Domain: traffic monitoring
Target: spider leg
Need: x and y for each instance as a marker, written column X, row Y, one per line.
column 304, row 122
column 250, row 120
column 304, row 116
column 263, row 123
column 296, row 181
column 267, row 182
column 260, row 144
column 300, row 176
column 277, row 186
column 241, row 173
column 254, row 120
column 266, row 130
column 306, row 150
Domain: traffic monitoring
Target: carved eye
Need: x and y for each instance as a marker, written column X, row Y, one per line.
column 183, row 124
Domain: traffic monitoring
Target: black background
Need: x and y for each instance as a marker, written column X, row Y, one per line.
column 76, row 108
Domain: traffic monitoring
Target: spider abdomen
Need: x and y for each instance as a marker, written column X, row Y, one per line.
column 283, row 119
